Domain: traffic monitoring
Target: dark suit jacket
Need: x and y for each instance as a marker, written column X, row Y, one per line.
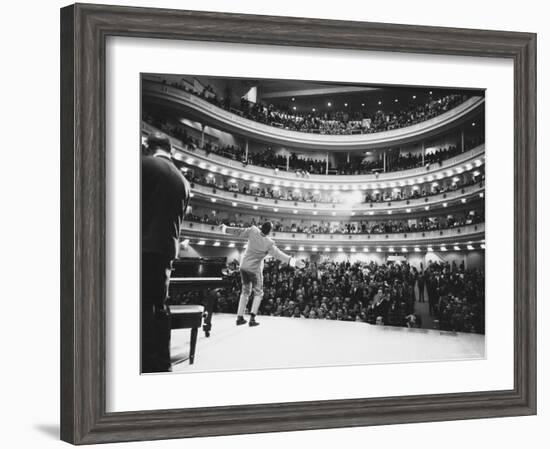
column 164, row 198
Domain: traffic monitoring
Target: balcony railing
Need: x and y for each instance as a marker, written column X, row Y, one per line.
column 361, row 209
column 203, row 110
column 219, row 164
column 450, row 236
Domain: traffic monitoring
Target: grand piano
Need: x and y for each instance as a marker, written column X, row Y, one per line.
column 205, row 277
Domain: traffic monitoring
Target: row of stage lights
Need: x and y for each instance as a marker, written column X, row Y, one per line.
column 382, row 185
column 403, row 249
column 334, row 213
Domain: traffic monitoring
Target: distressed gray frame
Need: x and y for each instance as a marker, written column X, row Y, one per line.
column 84, row 29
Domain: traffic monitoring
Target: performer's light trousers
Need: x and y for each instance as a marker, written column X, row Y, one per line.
column 251, row 282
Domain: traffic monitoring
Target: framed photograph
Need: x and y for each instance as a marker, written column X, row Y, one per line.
column 274, row 224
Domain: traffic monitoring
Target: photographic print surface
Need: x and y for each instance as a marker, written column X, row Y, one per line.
column 294, row 223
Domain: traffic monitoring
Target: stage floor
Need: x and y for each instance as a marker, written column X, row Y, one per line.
column 280, row 342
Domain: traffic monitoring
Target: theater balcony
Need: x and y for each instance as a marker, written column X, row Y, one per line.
column 467, row 237
column 196, row 108
column 201, row 159
column 210, row 196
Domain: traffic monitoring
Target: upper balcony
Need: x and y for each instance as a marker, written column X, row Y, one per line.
column 205, row 112
column 464, row 235
column 223, row 198
column 219, row 164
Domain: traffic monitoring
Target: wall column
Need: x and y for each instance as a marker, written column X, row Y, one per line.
column 326, row 170
column 384, row 156
column 202, row 135
column 287, row 161
column 246, row 150
column 462, row 140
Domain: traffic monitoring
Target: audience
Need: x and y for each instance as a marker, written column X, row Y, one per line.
column 338, row 122
column 328, row 196
column 366, row 292
column 424, row 224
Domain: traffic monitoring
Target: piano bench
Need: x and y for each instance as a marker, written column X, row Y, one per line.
column 188, row 317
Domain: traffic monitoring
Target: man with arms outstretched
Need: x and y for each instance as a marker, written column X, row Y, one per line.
column 259, row 246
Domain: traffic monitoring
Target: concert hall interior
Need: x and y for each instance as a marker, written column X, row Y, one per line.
column 378, row 189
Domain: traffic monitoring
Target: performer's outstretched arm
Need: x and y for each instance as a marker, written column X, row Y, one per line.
column 239, row 232
column 278, row 254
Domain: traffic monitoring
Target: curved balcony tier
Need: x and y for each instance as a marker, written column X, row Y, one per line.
column 219, row 164
column 463, row 235
column 205, row 112
column 222, row 198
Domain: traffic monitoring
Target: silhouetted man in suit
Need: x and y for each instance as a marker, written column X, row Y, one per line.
column 164, row 198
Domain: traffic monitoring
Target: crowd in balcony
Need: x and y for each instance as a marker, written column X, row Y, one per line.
column 424, row 224
column 341, row 122
column 304, row 166
column 329, row 196
column 377, row 294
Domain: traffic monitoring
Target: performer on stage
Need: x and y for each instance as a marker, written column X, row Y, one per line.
column 164, row 198
column 252, row 265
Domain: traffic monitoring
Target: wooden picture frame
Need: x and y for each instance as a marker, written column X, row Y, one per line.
column 84, row 29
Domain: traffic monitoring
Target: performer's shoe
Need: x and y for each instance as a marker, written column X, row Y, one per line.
column 240, row 320
column 253, row 322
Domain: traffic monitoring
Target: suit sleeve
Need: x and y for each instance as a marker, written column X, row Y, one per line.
column 239, row 232
column 278, row 254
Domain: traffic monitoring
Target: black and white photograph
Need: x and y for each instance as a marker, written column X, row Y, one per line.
column 295, row 223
